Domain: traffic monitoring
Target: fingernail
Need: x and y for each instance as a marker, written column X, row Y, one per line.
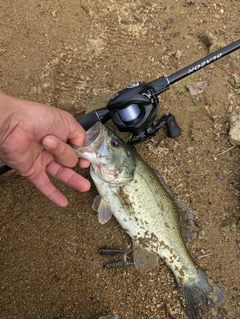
column 49, row 143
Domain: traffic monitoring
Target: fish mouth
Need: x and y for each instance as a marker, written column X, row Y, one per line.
column 95, row 138
column 94, row 143
column 92, row 134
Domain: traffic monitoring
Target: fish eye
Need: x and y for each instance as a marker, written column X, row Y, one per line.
column 115, row 142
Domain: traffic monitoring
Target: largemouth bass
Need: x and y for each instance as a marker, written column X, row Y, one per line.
column 135, row 194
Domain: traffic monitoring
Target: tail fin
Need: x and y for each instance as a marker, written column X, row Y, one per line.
column 200, row 295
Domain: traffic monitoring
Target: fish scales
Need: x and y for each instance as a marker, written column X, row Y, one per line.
column 152, row 212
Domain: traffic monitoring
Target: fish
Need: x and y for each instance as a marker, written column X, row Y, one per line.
column 131, row 190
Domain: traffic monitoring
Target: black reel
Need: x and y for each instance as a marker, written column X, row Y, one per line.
column 134, row 110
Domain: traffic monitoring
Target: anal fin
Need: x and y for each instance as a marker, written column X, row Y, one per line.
column 144, row 259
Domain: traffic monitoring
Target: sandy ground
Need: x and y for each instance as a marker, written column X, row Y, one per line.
column 74, row 53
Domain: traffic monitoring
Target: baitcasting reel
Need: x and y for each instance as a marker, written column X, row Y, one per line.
column 134, row 109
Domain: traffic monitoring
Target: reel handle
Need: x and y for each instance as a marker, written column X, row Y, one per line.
column 173, row 130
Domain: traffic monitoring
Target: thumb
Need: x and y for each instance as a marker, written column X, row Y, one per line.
column 62, row 152
column 77, row 134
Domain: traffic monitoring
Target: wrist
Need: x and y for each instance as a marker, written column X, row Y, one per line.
column 8, row 119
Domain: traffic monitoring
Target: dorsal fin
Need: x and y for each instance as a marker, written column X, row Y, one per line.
column 186, row 214
column 187, row 220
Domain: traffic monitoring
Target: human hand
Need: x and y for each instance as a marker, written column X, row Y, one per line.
column 33, row 140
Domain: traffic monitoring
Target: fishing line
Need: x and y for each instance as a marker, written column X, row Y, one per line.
column 61, row 249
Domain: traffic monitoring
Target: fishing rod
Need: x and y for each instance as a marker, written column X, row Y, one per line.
column 134, row 108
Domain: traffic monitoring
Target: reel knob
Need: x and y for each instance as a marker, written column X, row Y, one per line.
column 173, row 130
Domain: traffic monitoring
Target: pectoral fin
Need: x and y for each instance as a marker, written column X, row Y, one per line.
column 104, row 212
column 145, row 260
